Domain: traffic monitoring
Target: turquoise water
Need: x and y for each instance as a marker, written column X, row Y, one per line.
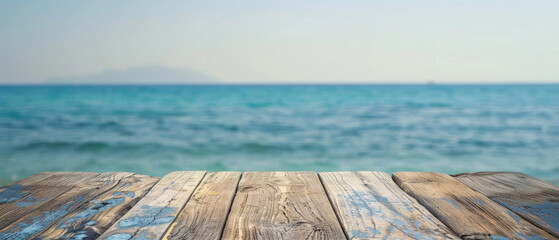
column 157, row 129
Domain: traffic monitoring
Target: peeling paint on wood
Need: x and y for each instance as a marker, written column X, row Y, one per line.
column 371, row 206
column 12, row 193
column 70, row 214
column 103, row 210
column 534, row 200
column 38, row 190
column 277, row 205
column 152, row 215
column 467, row 212
column 204, row 215
column 30, row 227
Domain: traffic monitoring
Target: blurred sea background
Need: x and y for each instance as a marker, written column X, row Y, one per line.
column 157, row 129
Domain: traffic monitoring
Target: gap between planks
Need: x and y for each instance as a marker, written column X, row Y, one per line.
column 370, row 205
column 70, row 213
column 153, row 214
column 374, row 186
column 205, row 214
column 534, row 200
column 295, row 204
column 468, row 213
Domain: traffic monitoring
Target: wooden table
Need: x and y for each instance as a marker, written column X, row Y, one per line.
column 279, row 205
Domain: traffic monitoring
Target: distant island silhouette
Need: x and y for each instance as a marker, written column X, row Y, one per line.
column 148, row 74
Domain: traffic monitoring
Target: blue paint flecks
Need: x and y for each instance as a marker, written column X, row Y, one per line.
column 90, row 223
column 126, row 236
column 496, row 237
column 150, row 216
column 546, row 213
column 516, row 218
column 92, row 211
column 397, row 221
column 120, row 236
column 407, row 206
column 127, row 194
column 452, row 202
column 374, row 231
column 110, row 182
column 81, row 235
column 28, row 201
column 84, row 234
column 479, row 202
column 365, row 204
column 24, row 204
column 522, row 236
column 360, row 234
column 12, row 193
column 37, row 224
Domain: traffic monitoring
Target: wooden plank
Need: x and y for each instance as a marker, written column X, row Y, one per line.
column 204, row 215
column 16, row 187
column 533, row 199
column 371, row 206
column 468, row 213
column 25, row 187
column 281, row 205
column 152, row 215
column 98, row 214
column 52, row 212
column 22, row 197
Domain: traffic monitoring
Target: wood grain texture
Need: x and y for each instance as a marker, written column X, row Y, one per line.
column 154, row 213
column 27, row 187
column 534, row 200
column 204, row 215
column 371, row 206
column 468, row 213
column 52, row 212
column 22, row 197
column 281, row 205
column 96, row 215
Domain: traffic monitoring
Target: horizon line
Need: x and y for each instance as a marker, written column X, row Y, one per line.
column 278, row 84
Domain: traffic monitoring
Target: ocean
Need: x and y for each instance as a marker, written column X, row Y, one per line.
column 157, row 129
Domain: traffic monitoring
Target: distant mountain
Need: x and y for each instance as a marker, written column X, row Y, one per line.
column 151, row 74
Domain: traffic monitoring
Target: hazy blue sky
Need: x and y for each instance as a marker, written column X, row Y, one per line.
column 255, row 41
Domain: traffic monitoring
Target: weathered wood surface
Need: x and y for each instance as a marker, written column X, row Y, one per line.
column 205, row 213
column 278, row 205
column 55, row 211
column 281, row 205
column 99, row 213
column 371, row 206
column 154, row 213
column 468, row 213
column 535, row 200
column 22, row 197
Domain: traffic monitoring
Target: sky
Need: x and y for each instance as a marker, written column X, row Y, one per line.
column 314, row 41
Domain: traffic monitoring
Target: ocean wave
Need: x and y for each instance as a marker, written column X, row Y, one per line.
column 415, row 105
column 191, row 149
column 62, row 145
column 499, row 144
column 159, row 129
